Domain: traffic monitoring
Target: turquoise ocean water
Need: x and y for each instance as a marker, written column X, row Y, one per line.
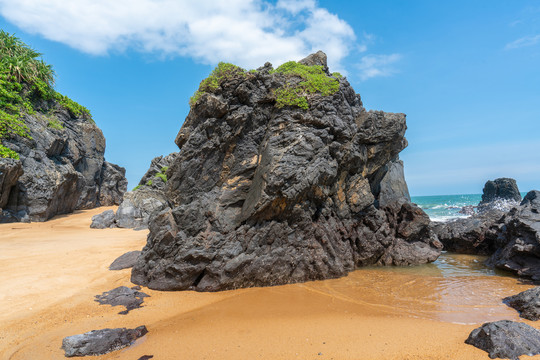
column 446, row 207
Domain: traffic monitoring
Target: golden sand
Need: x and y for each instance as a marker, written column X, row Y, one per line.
column 52, row 271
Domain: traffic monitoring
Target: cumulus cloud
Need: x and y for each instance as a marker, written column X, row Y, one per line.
column 377, row 65
column 523, row 42
column 246, row 32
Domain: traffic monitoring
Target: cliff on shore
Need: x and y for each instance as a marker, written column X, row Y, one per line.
column 283, row 176
column 51, row 151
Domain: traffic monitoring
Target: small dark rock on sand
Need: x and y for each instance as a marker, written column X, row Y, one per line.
column 125, row 261
column 99, row 342
column 123, row 296
column 506, row 339
column 527, row 303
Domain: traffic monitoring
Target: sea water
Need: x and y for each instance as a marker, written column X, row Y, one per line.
column 448, row 207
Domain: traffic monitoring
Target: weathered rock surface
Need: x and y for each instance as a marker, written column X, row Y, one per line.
column 62, row 169
column 99, row 342
column 10, row 171
column 506, row 339
column 527, row 303
column 264, row 196
column 147, row 198
column 478, row 233
column 104, row 220
column 518, row 241
column 158, row 165
column 123, row 296
column 512, row 238
column 138, row 205
column 125, row 261
column 500, row 192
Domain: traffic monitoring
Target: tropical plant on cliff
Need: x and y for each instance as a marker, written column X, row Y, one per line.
column 25, row 79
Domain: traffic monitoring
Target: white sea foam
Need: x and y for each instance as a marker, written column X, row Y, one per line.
column 447, row 218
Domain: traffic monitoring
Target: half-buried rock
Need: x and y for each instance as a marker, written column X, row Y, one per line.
column 506, row 339
column 99, row 342
column 527, row 303
column 283, row 176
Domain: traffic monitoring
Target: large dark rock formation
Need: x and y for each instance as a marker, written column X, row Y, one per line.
column 506, row 339
column 527, row 303
column 262, row 195
column 99, row 342
column 60, row 169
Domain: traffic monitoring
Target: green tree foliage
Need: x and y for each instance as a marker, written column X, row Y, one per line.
column 24, row 80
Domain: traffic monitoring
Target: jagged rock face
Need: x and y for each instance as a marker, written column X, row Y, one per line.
column 138, row 205
column 156, row 166
column 10, row 171
column 63, row 169
column 479, row 233
column 265, row 196
column 519, row 239
column 527, row 303
column 475, row 235
column 502, row 193
column 506, row 339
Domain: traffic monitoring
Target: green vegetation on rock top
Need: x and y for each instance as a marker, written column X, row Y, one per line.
column 25, row 80
column 315, row 81
column 222, row 72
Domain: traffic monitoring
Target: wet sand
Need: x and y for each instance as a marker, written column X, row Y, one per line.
column 52, row 271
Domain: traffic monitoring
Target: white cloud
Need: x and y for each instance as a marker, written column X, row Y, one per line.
column 377, row 65
column 523, row 42
column 245, row 32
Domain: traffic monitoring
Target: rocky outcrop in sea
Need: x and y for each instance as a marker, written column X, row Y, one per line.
column 61, row 168
column 505, row 229
column 283, row 176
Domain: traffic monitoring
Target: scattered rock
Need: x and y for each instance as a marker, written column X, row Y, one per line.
column 99, row 342
column 104, row 220
column 123, row 296
column 261, row 195
column 527, row 303
column 506, row 339
column 125, row 261
column 63, row 169
column 146, row 357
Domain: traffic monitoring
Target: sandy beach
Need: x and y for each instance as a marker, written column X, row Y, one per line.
column 53, row 270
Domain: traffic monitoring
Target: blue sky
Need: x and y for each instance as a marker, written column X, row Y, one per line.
column 466, row 73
